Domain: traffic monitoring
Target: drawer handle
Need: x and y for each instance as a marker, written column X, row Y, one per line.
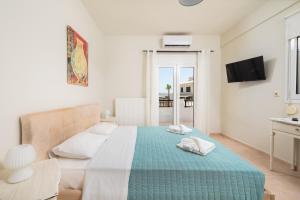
column 297, row 129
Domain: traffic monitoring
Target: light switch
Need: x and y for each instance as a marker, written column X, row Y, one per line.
column 276, row 93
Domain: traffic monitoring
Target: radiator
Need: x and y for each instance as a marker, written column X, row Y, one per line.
column 130, row 111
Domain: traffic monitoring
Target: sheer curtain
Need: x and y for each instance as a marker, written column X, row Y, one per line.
column 152, row 98
column 202, row 91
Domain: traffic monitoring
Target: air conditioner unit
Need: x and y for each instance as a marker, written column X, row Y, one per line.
column 177, row 41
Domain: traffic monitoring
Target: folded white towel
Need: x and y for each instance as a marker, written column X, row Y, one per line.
column 175, row 129
column 185, row 128
column 204, row 146
column 196, row 145
column 179, row 129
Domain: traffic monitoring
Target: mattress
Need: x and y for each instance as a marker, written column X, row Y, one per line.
column 161, row 171
column 72, row 173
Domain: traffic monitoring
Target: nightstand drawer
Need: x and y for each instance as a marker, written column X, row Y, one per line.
column 286, row 128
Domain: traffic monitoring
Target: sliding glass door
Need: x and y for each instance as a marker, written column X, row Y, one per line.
column 166, row 96
column 176, row 95
column 186, row 98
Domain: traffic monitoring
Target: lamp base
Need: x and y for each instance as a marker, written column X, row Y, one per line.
column 20, row 175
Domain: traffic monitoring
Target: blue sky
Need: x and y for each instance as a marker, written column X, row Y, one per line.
column 166, row 77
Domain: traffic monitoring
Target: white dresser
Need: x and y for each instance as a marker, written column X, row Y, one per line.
column 287, row 127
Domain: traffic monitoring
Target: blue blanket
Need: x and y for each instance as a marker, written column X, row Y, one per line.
column 161, row 171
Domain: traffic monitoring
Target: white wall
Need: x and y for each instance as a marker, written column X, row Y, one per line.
column 33, row 60
column 125, row 71
column 247, row 107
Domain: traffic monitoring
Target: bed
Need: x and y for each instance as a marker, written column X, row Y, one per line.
column 149, row 164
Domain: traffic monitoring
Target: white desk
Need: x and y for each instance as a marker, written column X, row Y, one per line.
column 287, row 127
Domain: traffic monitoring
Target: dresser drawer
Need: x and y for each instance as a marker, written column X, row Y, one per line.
column 286, row 128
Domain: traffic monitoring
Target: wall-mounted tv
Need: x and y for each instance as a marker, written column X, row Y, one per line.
column 246, row 70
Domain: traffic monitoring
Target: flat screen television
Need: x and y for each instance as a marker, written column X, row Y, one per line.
column 246, row 70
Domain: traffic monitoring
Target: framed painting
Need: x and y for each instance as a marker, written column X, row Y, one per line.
column 77, row 58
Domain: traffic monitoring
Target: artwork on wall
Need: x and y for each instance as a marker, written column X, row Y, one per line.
column 77, row 58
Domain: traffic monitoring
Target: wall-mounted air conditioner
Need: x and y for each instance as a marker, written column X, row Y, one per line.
column 177, row 41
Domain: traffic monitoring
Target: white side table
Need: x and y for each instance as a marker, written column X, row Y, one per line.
column 109, row 119
column 42, row 185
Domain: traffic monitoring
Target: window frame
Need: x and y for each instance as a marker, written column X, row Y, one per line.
column 293, row 70
column 188, row 89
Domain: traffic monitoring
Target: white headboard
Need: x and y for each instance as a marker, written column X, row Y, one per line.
column 130, row 111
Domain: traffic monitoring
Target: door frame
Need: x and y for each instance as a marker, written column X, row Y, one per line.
column 176, row 91
column 178, row 60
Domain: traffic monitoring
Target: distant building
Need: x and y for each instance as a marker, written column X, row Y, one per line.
column 187, row 88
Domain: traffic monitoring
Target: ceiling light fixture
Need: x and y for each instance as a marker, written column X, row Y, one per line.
column 189, row 2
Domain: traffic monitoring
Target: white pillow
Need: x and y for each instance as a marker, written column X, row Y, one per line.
column 83, row 145
column 102, row 128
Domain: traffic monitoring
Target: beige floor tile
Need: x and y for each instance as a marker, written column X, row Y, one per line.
column 282, row 181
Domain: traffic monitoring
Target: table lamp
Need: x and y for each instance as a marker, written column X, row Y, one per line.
column 18, row 160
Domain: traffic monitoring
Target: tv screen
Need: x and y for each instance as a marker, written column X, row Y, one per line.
column 246, row 70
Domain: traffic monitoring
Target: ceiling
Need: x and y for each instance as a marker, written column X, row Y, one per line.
column 148, row 17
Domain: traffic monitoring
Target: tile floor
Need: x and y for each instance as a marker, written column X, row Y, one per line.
column 282, row 181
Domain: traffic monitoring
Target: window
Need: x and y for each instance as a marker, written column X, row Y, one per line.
column 298, row 65
column 181, row 89
column 188, row 89
column 293, row 69
column 293, row 58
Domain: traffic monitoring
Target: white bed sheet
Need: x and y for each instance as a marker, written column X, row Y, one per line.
column 72, row 173
column 110, row 167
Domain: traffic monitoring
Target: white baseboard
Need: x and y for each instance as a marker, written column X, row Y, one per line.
column 249, row 145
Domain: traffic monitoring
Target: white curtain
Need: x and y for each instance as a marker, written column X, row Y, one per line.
column 202, row 91
column 152, row 99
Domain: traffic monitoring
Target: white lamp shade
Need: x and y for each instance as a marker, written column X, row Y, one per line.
column 107, row 113
column 19, row 156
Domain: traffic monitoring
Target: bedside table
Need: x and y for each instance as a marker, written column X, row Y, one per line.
column 42, row 185
column 109, row 119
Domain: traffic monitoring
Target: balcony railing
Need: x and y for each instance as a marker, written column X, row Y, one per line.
column 166, row 103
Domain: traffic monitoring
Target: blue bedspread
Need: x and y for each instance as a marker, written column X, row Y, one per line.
column 161, row 171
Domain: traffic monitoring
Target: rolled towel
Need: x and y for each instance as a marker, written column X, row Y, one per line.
column 189, row 145
column 175, row 129
column 204, row 146
column 179, row 129
column 196, row 145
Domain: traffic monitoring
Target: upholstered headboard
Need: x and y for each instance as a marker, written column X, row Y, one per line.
column 45, row 130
